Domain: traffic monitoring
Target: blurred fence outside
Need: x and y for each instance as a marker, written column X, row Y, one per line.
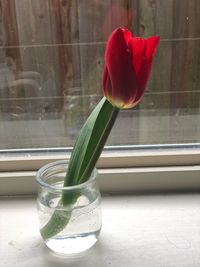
column 51, row 63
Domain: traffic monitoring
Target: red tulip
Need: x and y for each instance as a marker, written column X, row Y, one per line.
column 128, row 62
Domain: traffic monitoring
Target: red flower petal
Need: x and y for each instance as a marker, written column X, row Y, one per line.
column 127, row 68
column 119, row 68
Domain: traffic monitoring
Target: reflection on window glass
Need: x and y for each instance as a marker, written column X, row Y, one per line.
column 51, row 63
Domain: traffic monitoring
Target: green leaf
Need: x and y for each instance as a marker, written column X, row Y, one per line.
column 90, row 142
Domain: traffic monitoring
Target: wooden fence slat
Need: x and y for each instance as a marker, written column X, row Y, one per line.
column 11, row 59
column 186, row 56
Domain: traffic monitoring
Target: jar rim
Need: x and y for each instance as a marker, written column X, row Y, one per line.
column 48, row 166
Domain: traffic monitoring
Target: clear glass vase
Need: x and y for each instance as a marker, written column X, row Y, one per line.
column 69, row 217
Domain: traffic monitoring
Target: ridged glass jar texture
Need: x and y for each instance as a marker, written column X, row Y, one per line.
column 81, row 216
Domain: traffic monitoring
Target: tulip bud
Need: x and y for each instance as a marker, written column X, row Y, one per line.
column 128, row 62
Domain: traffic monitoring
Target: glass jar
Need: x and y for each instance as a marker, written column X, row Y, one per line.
column 69, row 217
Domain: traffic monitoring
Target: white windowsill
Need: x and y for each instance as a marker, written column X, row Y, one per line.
column 139, row 231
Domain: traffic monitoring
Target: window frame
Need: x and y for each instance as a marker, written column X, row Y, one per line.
column 145, row 170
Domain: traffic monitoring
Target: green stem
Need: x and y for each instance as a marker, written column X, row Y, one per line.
column 86, row 152
column 56, row 224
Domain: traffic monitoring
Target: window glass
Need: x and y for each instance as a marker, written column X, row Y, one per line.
column 51, row 63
